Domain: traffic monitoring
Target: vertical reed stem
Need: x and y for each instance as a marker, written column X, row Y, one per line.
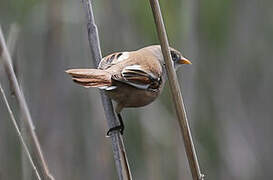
column 176, row 93
column 120, row 157
column 34, row 144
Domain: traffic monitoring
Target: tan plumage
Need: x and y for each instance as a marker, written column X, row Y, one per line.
column 90, row 77
column 132, row 79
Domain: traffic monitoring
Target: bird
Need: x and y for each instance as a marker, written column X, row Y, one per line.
column 131, row 78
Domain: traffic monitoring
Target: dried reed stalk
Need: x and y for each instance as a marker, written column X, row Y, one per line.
column 176, row 93
column 120, row 157
column 24, row 144
column 34, row 144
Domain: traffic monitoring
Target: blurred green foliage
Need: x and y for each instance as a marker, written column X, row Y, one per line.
column 16, row 10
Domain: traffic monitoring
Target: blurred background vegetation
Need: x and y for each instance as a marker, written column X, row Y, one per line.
column 227, row 90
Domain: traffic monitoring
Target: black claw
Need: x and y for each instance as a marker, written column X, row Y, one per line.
column 119, row 128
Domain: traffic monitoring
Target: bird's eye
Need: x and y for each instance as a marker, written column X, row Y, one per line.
column 174, row 56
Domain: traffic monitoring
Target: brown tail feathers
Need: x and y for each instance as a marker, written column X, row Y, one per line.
column 90, row 77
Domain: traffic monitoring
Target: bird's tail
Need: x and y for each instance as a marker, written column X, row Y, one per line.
column 90, row 77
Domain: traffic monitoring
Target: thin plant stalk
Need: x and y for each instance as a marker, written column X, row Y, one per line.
column 19, row 133
column 176, row 93
column 11, row 44
column 34, row 144
column 120, row 157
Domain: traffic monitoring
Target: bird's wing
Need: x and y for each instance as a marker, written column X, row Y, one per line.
column 113, row 59
column 122, row 70
column 136, row 76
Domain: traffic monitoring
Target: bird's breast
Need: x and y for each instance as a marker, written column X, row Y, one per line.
column 129, row 96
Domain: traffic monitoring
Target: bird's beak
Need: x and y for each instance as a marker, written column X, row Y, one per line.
column 184, row 61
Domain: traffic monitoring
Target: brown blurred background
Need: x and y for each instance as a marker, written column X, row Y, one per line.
column 227, row 90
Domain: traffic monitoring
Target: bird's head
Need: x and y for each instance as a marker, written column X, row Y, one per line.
column 178, row 59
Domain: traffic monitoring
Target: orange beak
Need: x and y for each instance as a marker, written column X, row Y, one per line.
column 184, row 61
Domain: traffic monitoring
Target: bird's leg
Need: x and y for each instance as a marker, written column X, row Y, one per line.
column 119, row 128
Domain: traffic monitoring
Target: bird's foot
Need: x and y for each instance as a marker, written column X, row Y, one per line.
column 119, row 128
